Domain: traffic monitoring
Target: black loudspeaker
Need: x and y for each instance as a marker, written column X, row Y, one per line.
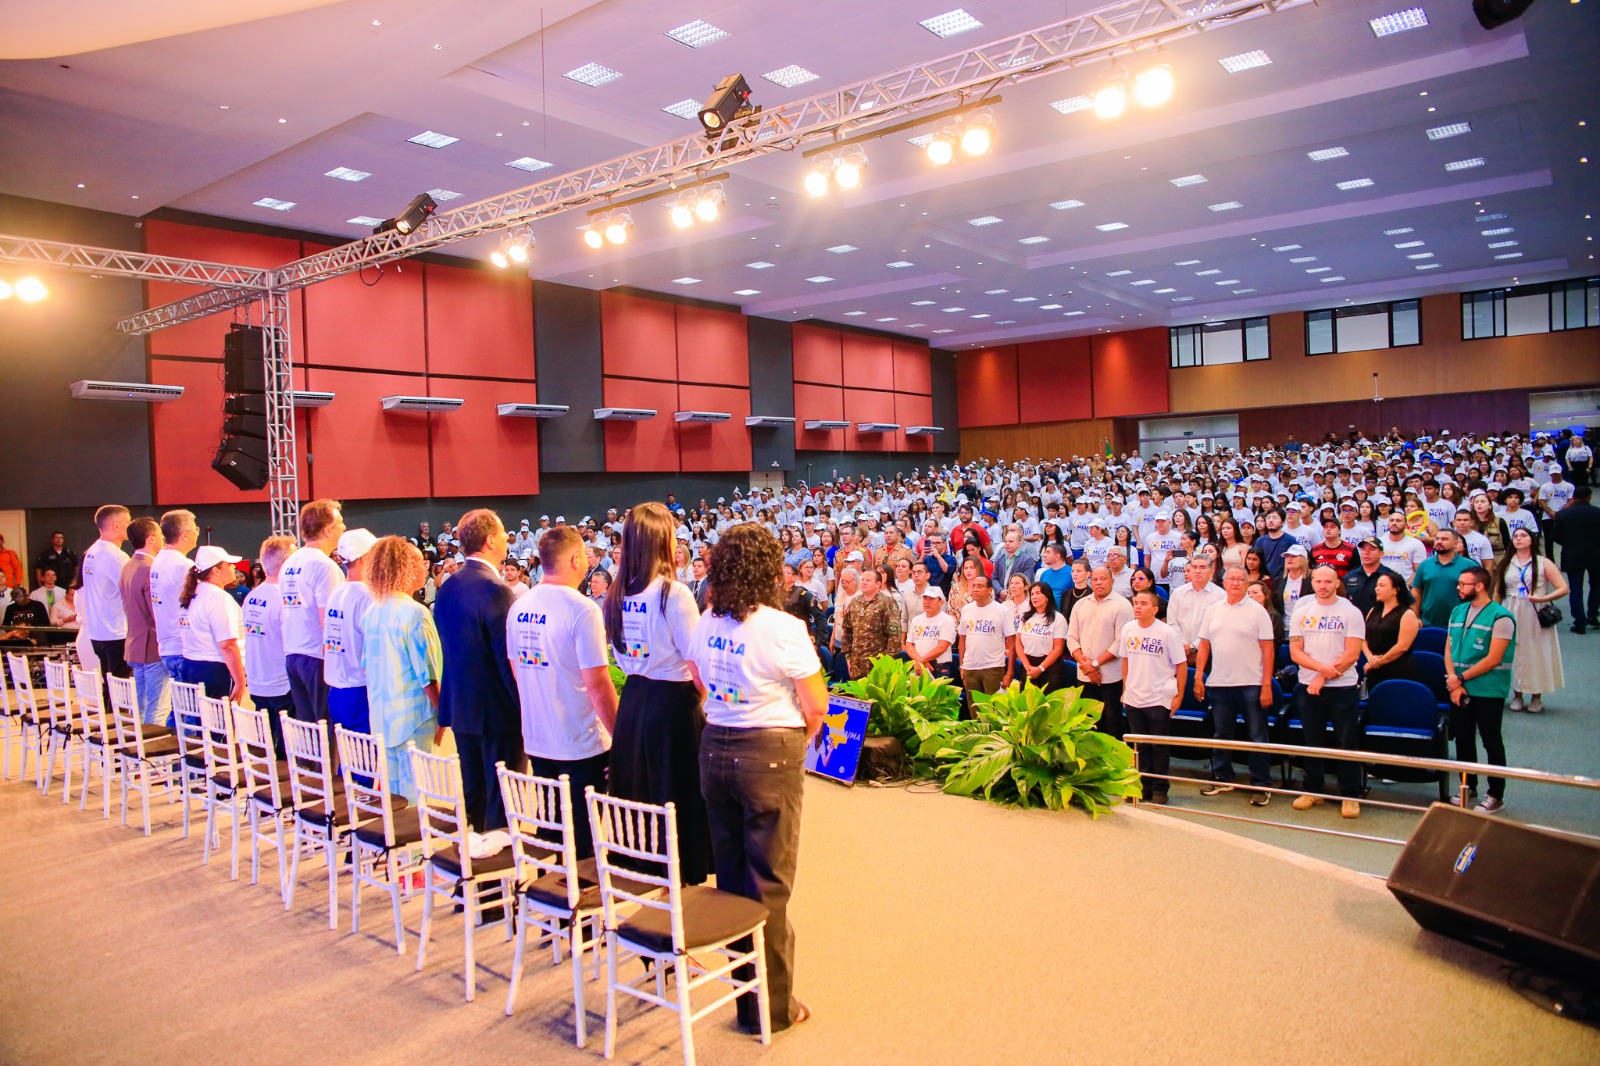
column 243, row 461
column 246, row 404
column 243, row 359
column 1529, row 895
column 245, row 426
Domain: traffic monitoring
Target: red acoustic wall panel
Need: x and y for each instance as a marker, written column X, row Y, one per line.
column 864, row 405
column 912, row 370
column 184, row 435
column 203, row 337
column 475, row 451
column 817, row 355
column 639, row 337
column 352, row 322
column 868, row 361
column 713, row 347
column 1054, row 380
column 359, row 450
column 641, row 447
column 1130, row 372
column 480, row 323
column 818, row 402
column 986, row 387
column 714, row 446
column 912, row 410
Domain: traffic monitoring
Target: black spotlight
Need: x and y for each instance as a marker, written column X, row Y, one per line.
column 416, row 213
column 727, row 100
column 1495, row 13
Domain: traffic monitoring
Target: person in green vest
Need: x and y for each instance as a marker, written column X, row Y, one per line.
column 1435, row 583
column 1477, row 667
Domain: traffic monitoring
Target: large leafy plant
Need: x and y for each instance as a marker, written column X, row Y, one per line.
column 1025, row 747
column 907, row 704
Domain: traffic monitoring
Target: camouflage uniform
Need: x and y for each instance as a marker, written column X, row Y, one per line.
column 871, row 628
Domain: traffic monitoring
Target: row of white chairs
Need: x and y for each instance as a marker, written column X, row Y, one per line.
column 626, row 903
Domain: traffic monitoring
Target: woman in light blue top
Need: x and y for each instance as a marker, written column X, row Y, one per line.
column 402, row 659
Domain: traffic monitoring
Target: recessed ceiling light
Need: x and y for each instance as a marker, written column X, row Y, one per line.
column 1428, row 266
column 592, row 74
column 747, row 292
column 1163, row 292
column 1498, row 231
column 1493, row 218
column 922, row 141
column 1336, row 277
column 697, row 34
column 899, row 264
column 996, row 292
column 819, row 279
column 922, row 303
column 916, row 325
column 1502, row 244
column 1066, row 205
column 1287, row 248
column 1143, row 281
column 853, row 314
column 686, row 281
column 888, row 320
column 1355, row 183
column 276, row 205
column 1454, row 129
column 983, row 316
column 1191, row 179
column 1412, row 18
column 1420, row 255
column 1245, row 61
column 944, row 331
column 1187, row 263
column 1033, row 240
column 841, row 249
column 1509, row 255
column 1072, row 104
column 1410, row 244
column 1070, row 314
column 430, row 139
column 760, row 264
column 1181, row 299
column 984, row 220
column 346, row 174
column 528, row 163
column 1231, row 205
column 952, row 310
column 1402, row 231
column 1025, row 300
column 1465, row 164
column 790, row 76
column 950, row 23
column 1206, row 273
column 1304, row 259
column 364, row 220
column 1107, row 227
column 442, row 195
column 1006, row 322
column 1050, row 307
column 1117, row 273
column 1241, row 292
column 688, row 108
column 1322, row 155
column 1318, row 270
column 1230, row 281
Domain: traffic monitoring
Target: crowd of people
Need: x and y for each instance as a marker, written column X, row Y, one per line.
column 727, row 619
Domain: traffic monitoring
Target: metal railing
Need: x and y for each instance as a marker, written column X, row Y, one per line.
column 1461, row 771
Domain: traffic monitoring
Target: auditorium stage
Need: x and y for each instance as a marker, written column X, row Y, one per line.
column 932, row 929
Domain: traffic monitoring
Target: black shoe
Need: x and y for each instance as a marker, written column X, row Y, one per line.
column 1158, row 798
column 1578, row 629
column 1216, row 788
column 1260, row 799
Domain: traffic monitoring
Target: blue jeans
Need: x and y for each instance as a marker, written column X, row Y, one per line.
column 1341, row 706
column 153, row 683
column 174, row 665
column 1227, row 703
column 213, row 677
column 307, row 688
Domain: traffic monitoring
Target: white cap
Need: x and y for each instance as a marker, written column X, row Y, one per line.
column 561, row 518
column 210, row 555
column 933, row 592
column 1296, row 549
column 525, row 522
column 355, row 543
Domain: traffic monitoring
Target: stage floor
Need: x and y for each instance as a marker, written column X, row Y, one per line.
column 931, row 929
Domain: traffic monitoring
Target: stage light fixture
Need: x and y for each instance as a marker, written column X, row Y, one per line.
column 1112, row 100
column 593, row 236
column 501, row 257
column 682, row 212
column 851, row 169
column 520, row 246
column 817, row 178
column 619, row 226
column 942, row 149
column 31, row 290
column 978, row 135
column 416, row 213
column 1153, row 87
column 708, row 208
column 1495, row 13
column 727, row 100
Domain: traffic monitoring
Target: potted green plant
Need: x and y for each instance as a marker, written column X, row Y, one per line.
column 907, row 704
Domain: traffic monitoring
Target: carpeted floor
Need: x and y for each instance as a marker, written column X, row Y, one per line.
column 932, row 929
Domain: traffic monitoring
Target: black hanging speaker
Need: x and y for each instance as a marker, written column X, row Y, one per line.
column 244, row 359
column 1529, row 895
column 243, row 461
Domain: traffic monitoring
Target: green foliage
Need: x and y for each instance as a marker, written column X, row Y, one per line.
column 618, row 678
column 1028, row 748
column 906, row 703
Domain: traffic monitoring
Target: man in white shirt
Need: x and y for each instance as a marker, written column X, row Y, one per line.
column 556, row 643
column 100, row 599
column 262, row 621
column 982, row 634
column 1553, row 496
column 168, row 571
column 1325, row 636
column 1188, row 602
column 1091, row 630
column 1161, row 545
column 931, row 635
column 1154, row 672
column 308, row 578
column 1235, row 643
column 1402, row 552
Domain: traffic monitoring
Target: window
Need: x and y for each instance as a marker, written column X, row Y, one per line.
column 1363, row 328
column 1239, row 340
column 1545, row 308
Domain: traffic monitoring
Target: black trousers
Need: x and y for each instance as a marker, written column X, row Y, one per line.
column 1583, row 613
column 1481, row 716
column 581, row 773
column 486, row 807
column 307, row 687
column 1154, row 759
column 1112, row 720
column 113, row 663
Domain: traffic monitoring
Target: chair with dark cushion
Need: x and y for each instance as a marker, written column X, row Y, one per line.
column 148, row 759
column 321, row 818
column 380, row 838
column 1404, row 719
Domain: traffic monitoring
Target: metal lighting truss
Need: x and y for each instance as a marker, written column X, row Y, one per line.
column 283, row 476
column 1117, row 29
column 117, row 262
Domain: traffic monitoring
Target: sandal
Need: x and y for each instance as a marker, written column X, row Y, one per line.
column 801, row 1012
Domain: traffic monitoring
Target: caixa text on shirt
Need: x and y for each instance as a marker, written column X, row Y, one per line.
column 635, row 607
column 529, row 618
column 732, row 647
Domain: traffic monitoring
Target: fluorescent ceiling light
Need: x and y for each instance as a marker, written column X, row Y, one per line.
column 888, row 320
column 1454, row 129
column 922, row 141
column 1143, row 281
column 983, row 316
column 1025, row 300
column 1245, row 61
column 1033, row 240
column 442, row 195
column 1420, row 255
column 1336, row 277
column 1107, row 227
column 1489, row 218
column 922, row 303
column 1187, row 263
column 1355, row 183
column 1006, row 322
column 1498, row 231
column 950, row 23
column 853, row 314
column 1181, row 299
column 760, row 264
column 1241, row 292
column 819, row 279
column 1190, row 179
column 1509, row 255
column 1318, row 270
column 347, row 174
column 276, row 205
column 1402, row 231
column 790, row 76
column 944, row 331
column 916, row 325
column 364, row 220
column 1502, row 244
column 1411, row 244
column 1163, row 292
column 1322, row 155
column 1282, row 248
column 686, row 281
column 1065, row 205
column 684, row 109
column 1304, row 259
column 899, row 264
column 528, row 163
column 1206, row 273
column 984, row 220
column 1231, row 205
column 1230, row 281
column 1070, row 314
column 430, row 139
column 592, row 74
column 1072, row 104
column 952, row 310
column 996, row 292
column 1428, row 266
column 1050, row 307
column 1117, row 273
column 1412, row 18
column 747, row 292
column 841, row 249
column 1465, row 164
column 697, row 34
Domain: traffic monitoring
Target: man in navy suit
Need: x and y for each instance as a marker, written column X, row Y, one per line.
column 477, row 695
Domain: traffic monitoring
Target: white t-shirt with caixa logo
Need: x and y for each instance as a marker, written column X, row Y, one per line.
column 749, row 668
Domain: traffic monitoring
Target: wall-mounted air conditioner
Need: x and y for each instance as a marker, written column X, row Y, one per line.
column 531, row 410
column 303, row 398
column 768, row 421
column 435, row 404
column 825, row 423
column 623, row 414
column 700, row 416
column 126, row 391
column 923, row 431
column 877, row 427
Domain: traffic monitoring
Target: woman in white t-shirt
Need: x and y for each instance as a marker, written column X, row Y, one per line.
column 765, row 700
column 1041, row 639
column 655, row 751
column 209, row 622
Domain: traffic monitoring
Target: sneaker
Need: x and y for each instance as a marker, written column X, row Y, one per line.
column 1305, row 803
column 1516, row 703
column 1491, row 805
column 1216, row 788
column 1260, row 799
column 1159, row 798
column 1536, row 705
column 1458, row 801
column 1349, row 809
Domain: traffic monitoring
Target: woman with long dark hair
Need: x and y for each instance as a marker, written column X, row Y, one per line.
column 765, row 701
column 1391, row 628
column 650, row 619
column 1042, row 639
column 210, row 623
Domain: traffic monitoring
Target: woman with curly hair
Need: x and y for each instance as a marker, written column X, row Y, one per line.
column 402, row 658
column 765, row 701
